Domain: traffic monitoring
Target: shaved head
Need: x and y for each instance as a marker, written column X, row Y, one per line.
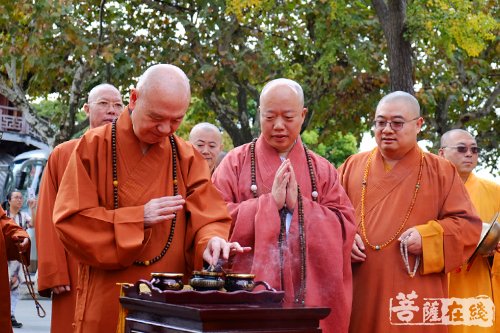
column 96, row 92
column 294, row 86
column 104, row 104
column 453, row 145
column 448, row 138
column 159, row 103
column 207, row 139
column 165, row 79
column 397, row 96
column 204, row 127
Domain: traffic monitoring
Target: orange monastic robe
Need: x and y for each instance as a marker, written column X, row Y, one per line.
column 55, row 266
column 107, row 241
column 328, row 224
column 8, row 251
column 479, row 280
column 444, row 216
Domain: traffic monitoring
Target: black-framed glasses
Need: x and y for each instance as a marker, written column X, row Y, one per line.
column 396, row 125
column 465, row 149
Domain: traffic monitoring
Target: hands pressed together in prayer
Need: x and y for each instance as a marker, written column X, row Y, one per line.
column 162, row 209
column 413, row 241
column 217, row 246
column 284, row 189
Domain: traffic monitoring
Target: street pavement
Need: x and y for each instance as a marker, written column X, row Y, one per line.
column 26, row 314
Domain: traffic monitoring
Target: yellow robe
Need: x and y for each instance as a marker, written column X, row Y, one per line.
column 479, row 280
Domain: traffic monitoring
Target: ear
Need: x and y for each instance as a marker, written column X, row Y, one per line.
column 441, row 152
column 86, row 108
column 133, row 98
column 304, row 112
column 420, row 123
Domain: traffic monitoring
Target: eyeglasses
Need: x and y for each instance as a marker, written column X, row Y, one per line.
column 465, row 149
column 107, row 104
column 396, row 125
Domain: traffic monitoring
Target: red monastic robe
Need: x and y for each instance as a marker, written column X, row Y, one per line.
column 444, row 216
column 329, row 228
column 107, row 241
column 55, row 266
column 8, row 251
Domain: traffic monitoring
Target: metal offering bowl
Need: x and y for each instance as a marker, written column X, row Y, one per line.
column 205, row 280
column 245, row 282
column 167, row 281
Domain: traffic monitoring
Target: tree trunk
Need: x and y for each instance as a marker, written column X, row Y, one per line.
column 392, row 17
column 67, row 129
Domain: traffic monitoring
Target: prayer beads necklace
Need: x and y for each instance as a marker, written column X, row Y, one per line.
column 363, row 195
column 301, row 295
column 176, row 191
column 403, row 248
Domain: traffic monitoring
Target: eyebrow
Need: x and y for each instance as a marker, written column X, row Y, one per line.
column 395, row 117
column 205, row 141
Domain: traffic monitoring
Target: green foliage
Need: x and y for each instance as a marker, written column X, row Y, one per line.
column 229, row 49
column 335, row 148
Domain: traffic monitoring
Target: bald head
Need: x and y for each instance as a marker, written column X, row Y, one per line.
column 283, row 83
column 457, row 147
column 159, row 103
column 282, row 114
column 207, row 139
column 401, row 96
column 98, row 90
column 450, row 138
column 167, row 79
column 104, row 104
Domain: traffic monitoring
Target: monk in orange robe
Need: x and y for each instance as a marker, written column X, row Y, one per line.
column 12, row 240
column 301, row 239
column 136, row 199
column 57, row 270
column 411, row 208
column 476, row 278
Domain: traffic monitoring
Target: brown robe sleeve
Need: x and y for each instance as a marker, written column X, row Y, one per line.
column 94, row 234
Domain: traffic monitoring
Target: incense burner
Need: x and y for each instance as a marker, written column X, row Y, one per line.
column 239, row 281
column 205, row 280
column 167, row 281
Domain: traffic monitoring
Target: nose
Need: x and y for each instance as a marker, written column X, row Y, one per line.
column 205, row 150
column 112, row 110
column 279, row 123
column 164, row 128
column 388, row 127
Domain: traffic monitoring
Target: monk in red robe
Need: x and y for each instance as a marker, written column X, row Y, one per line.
column 287, row 203
column 415, row 224
column 133, row 200
column 12, row 240
column 57, row 270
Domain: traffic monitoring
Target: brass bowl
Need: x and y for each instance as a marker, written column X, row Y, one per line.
column 245, row 282
column 236, row 281
column 167, row 281
column 205, row 280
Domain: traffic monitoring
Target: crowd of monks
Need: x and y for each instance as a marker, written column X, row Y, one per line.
column 375, row 240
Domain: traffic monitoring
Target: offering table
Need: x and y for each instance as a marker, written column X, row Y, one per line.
column 215, row 311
